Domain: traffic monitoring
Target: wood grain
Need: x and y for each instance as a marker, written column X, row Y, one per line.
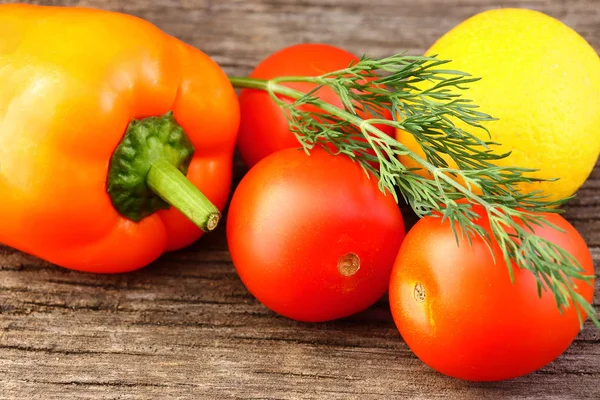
column 185, row 327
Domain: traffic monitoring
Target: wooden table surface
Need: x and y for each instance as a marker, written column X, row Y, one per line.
column 185, row 327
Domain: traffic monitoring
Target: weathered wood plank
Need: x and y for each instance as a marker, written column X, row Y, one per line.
column 185, row 327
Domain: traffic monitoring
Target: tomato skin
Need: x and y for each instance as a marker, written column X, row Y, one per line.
column 293, row 217
column 474, row 324
column 264, row 127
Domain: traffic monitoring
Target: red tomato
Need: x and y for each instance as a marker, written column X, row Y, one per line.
column 312, row 237
column 264, row 127
column 460, row 314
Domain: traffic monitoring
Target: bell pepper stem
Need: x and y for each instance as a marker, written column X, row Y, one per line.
column 174, row 188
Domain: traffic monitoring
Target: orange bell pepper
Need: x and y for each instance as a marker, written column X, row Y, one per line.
column 102, row 116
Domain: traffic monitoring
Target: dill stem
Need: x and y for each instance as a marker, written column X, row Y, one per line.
column 272, row 87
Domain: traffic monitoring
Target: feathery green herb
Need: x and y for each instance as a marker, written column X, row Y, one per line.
column 426, row 101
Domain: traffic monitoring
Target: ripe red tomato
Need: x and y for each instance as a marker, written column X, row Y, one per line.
column 312, row 237
column 264, row 127
column 460, row 314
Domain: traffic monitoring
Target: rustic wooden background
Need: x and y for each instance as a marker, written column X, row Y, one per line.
column 185, row 327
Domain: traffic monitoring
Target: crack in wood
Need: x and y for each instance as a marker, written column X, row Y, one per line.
column 305, row 375
column 77, row 352
column 107, row 383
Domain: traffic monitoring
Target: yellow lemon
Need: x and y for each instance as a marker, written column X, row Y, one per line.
column 541, row 81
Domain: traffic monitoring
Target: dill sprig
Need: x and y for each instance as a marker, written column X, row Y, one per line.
column 370, row 88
